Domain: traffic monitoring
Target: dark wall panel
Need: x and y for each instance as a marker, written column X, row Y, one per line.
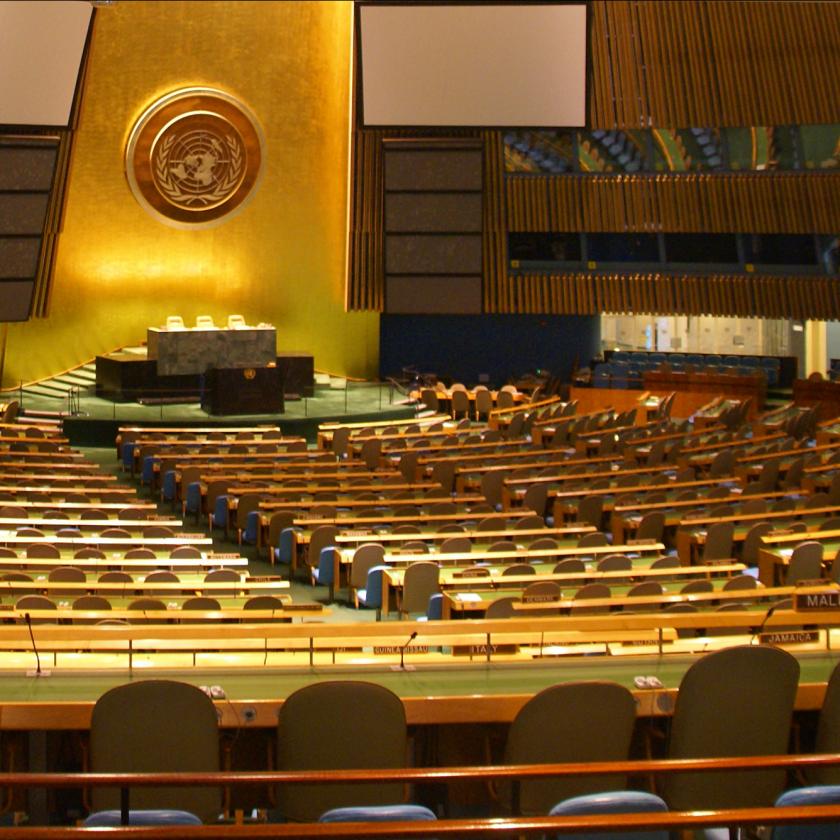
column 24, row 168
column 463, row 347
column 15, row 300
column 444, row 169
column 433, row 212
column 433, row 295
column 433, row 225
column 442, row 254
column 19, row 257
column 23, row 213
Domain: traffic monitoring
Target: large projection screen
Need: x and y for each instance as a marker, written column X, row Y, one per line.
column 473, row 65
column 41, row 48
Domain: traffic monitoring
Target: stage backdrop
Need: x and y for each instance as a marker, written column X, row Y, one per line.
column 281, row 259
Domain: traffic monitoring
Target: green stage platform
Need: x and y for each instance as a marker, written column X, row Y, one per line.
column 93, row 421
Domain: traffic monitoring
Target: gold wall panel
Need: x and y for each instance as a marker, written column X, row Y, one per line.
column 281, row 260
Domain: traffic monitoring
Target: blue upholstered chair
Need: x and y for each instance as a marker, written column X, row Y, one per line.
column 378, row 813
column 613, row 802
column 634, row 376
column 434, row 611
column 371, row 596
column 149, row 816
column 252, row 528
column 192, row 500
column 813, row 795
column 771, row 369
column 128, row 456
column 324, row 573
column 147, row 473
column 285, row 548
column 601, row 375
column 168, row 486
column 219, row 516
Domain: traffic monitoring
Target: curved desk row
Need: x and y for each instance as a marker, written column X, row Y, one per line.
column 259, row 665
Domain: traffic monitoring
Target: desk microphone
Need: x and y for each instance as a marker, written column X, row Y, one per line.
column 411, row 638
column 37, row 672
column 764, row 620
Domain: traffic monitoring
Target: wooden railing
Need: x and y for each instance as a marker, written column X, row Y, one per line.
column 507, row 827
column 473, row 827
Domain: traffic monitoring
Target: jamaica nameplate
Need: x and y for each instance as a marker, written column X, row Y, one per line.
column 789, row 637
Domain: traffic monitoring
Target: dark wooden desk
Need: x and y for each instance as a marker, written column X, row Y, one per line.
column 257, row 390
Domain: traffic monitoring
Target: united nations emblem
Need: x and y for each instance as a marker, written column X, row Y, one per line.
column 194, row 157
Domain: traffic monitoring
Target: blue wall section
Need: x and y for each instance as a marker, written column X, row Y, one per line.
column 462, row 347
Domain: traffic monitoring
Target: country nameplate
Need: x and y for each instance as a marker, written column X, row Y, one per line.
column 815, row 601
column 789, row 637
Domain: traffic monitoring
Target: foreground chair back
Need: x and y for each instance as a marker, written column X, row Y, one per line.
column 828, row 733
column 576, row 721
column 734, row 702
column 156, row 726
column 337, row 725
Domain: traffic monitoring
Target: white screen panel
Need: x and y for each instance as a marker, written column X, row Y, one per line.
column 513, row 65
column 41, row 46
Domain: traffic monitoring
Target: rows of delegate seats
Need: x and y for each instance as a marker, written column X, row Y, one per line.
column 325, row 509
column 518, row 522
column 625, row 368
column 719, row 468
column 75, row 546
column 291, row 497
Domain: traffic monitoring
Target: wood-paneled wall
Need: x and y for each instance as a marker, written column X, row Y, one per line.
column 366, row 283
column 366, row 245
column 680, row 64
column 766, row 202
column 582, row 293
column 657, row 63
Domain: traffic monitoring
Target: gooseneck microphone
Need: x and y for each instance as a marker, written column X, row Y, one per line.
column 411, row 638
column 38, row 672
column 764, row 621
